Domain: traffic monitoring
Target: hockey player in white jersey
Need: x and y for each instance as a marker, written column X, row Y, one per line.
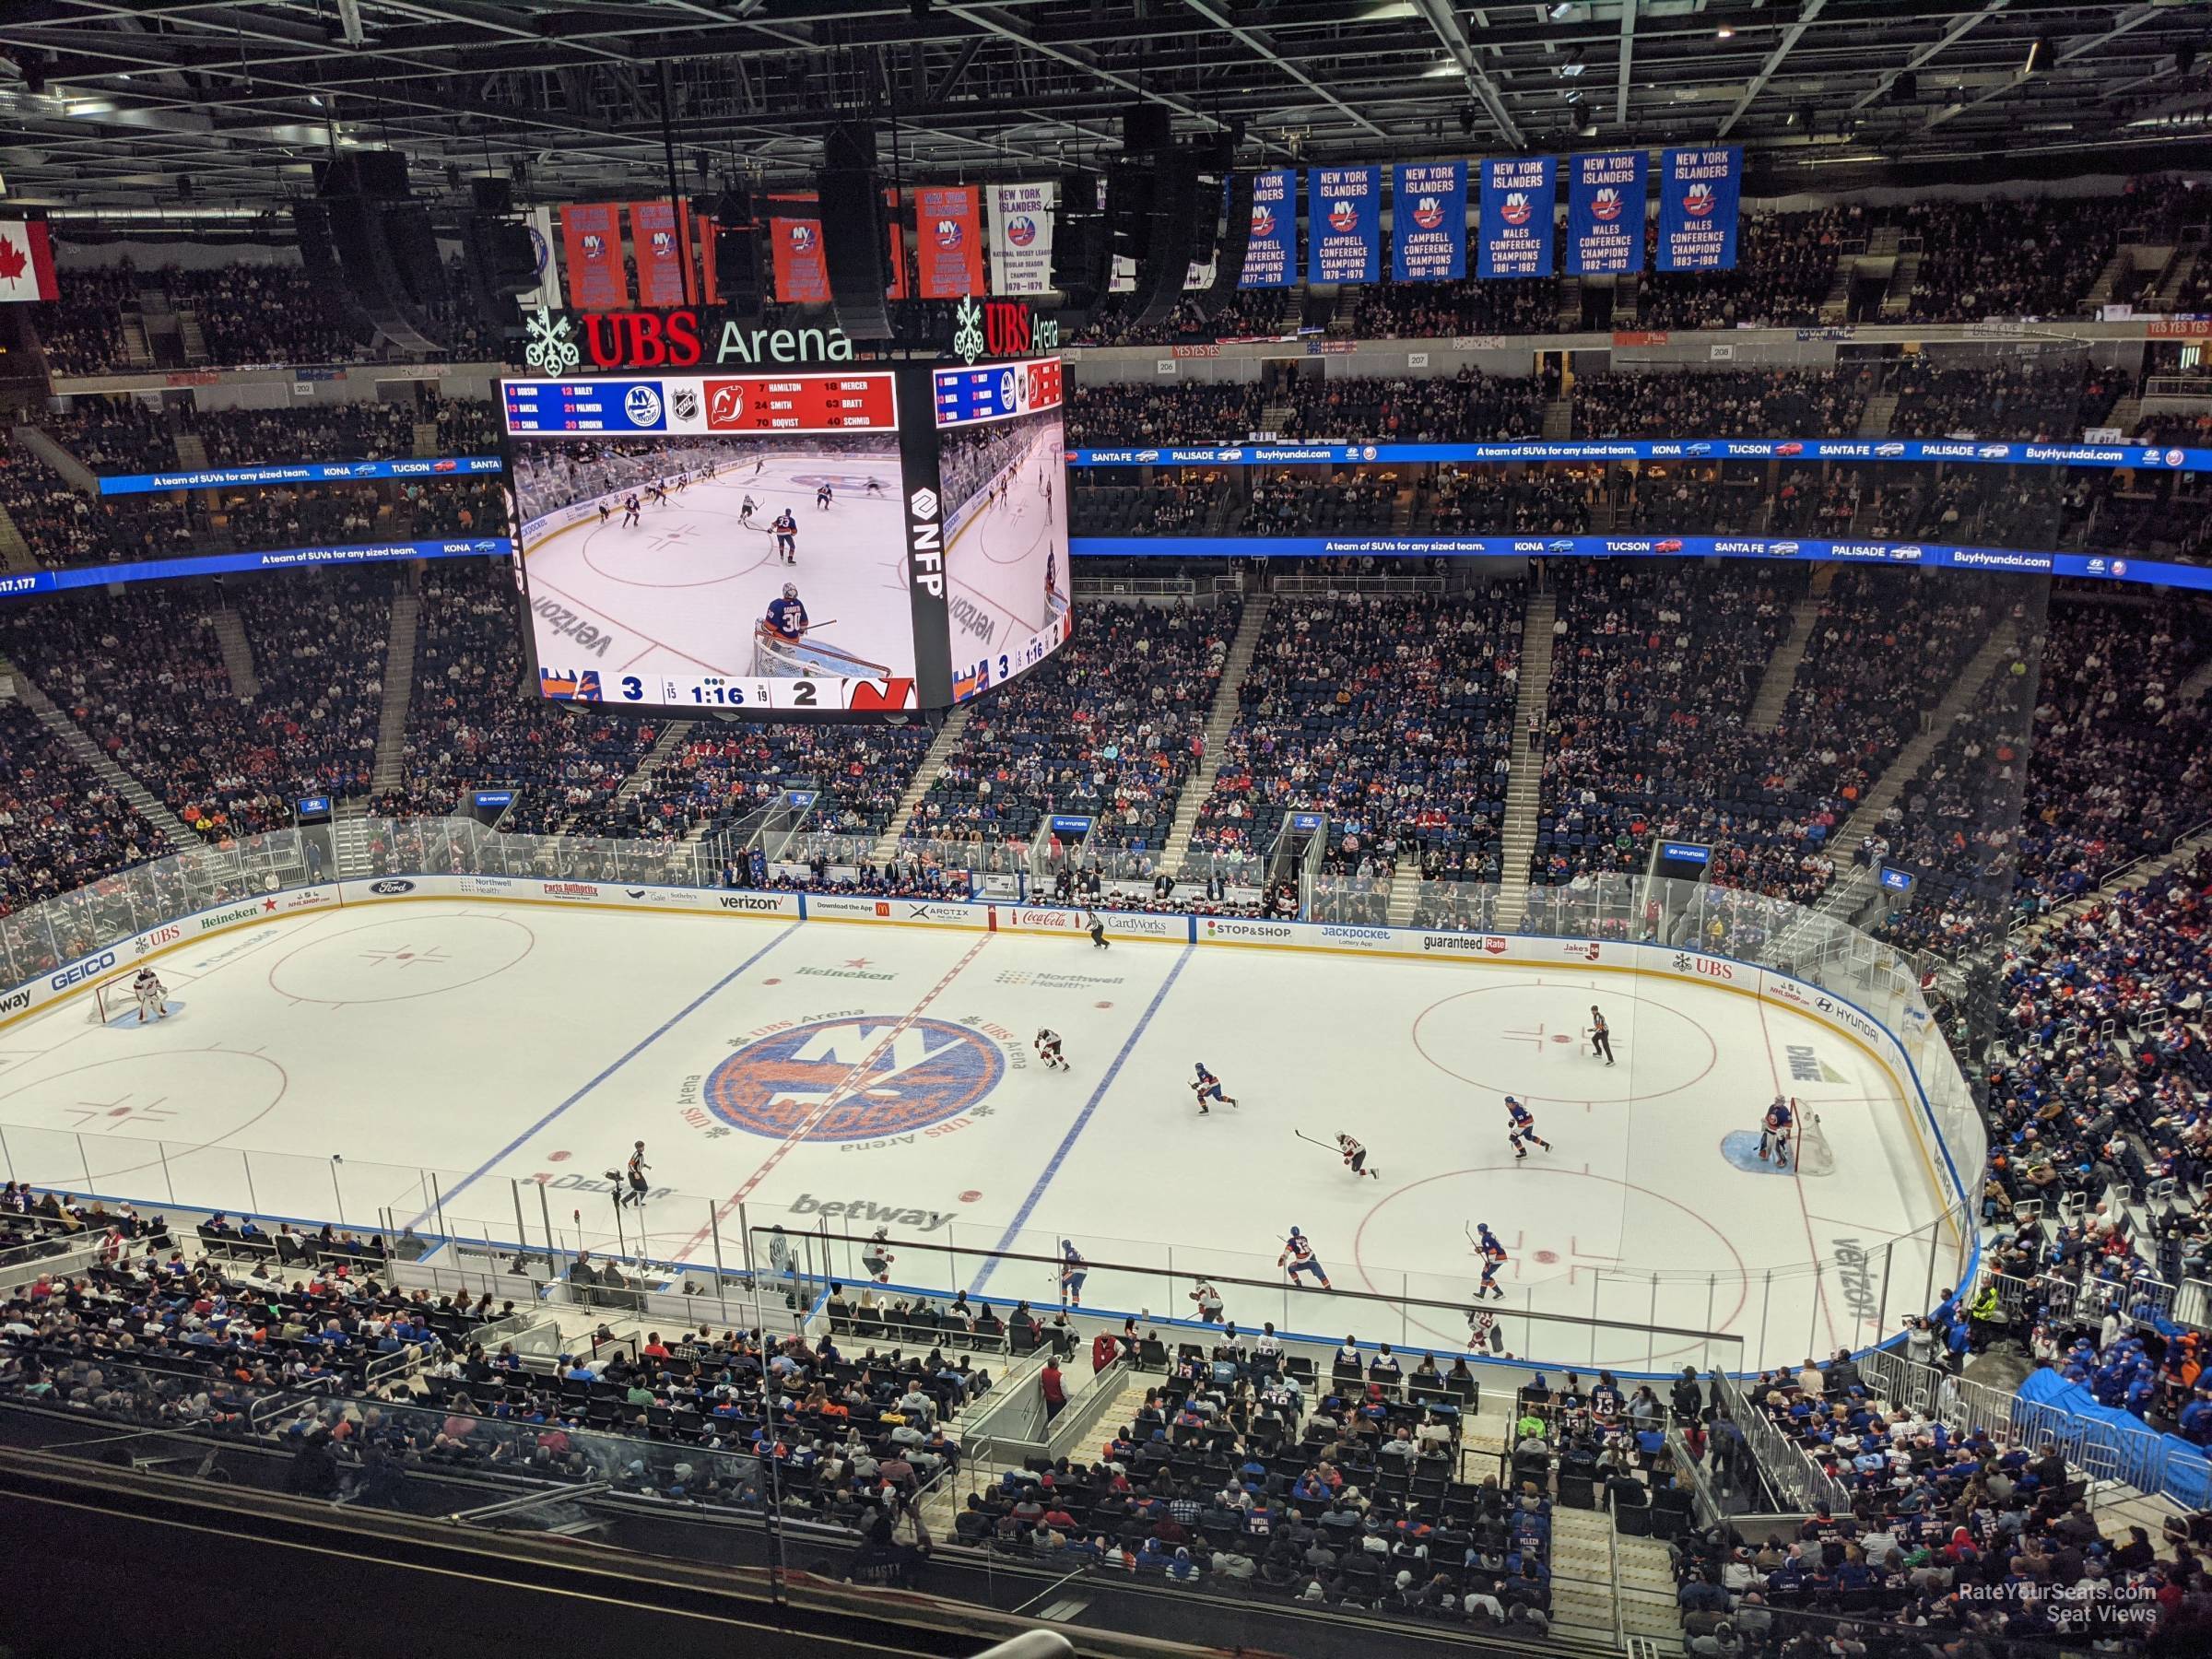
column 151, row 994
column 1048, row 1050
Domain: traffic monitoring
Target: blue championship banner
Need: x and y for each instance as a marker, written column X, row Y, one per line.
column 1605, row 213
column 1699, row 191
column 1514, row 226
column 1271, row 255
column 1428, row 221
column 1344, row 224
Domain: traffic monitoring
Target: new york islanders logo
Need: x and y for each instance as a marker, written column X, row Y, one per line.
column 1263, row 221
column 663, row 244
column 1344, row 216
column 1021, row 230
column 856, row 1079
column 595, row 245
column 1699, row 201
column 802, row 236
column 1428, row 213
column 1515, row 210
column 949, row 233
column 1605, row 206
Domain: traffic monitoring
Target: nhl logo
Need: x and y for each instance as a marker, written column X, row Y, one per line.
column 1344, row 216
column 1700, row 202
column 683, row 403
column 1428, row 213
column 1605, row 206
column 1516, row 210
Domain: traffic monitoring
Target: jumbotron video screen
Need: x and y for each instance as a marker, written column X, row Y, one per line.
column 858, row 542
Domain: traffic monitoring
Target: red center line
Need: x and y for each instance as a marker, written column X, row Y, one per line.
column 855, row 1079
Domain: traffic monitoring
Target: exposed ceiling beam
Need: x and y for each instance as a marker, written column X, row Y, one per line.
column 1927, row 55
column 1627, row 53
column 2128, row 20
column 1790, row 37
column 1260, row 44
column 1443, row 17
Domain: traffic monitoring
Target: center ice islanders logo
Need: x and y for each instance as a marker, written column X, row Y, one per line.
column 1428, row 213
column 1344, row 216
column 1516, row 210
column 857, row 1079
column 1605, row 206
column 1021, row 230
column 1699, row 201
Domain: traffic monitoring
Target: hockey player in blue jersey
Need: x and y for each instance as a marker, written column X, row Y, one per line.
column 1774, row 1133
column 1493, row 1258
column 1072, row 1269
column 787, row 536
column 787, row 617
column 1298, row 1257
column 1521, row 1126
column 822, row 494
column 1208, row 1086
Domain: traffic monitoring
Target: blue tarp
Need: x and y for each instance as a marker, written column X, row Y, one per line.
column 2150, row 1461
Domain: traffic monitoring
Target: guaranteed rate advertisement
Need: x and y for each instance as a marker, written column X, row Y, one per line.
column 720, row 542
column 1002, row 465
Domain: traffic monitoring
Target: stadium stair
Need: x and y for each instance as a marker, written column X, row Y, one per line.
column 2134, row 875
column 38, row 441
column 940, row 750
column 238, row 652
column 2195, row 686
column 1559, row 418
column 15, row 552
column 1599, row 1579
column 1219, row 720
column 2169, row 291
column 1856, row 885
column 1570, row 315
column 1524, row 784
column 98, row 763
column 1835, row 306
column 426, row 439
column 671, row 741
column 1781, row 679
column 192, row 451
column 399, row 689
column 349, row 846
column 1628, row 291
column 1897, row 299
column 137, row 350
column 2127, row 413
column 1875, row 417
column 1274, row 417
column 191, row 340
column 1405, row 892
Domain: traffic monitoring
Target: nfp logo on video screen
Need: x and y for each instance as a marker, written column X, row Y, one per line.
column 855, row 1079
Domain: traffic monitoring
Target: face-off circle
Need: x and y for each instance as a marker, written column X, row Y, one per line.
column 855, row 1079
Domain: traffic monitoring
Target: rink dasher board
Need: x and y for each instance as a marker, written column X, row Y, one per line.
column 1541, row 952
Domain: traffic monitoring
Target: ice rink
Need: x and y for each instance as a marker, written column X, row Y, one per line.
column 682, row 590
column 439, row 1061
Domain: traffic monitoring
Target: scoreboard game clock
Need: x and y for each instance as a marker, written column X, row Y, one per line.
column 789, row 544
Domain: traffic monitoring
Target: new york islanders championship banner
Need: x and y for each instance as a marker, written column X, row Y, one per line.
column 1270, row 257
column 1515, row 230
column 1428, row 221
column 796, row 256
column 1605, row 213
column 591, row 236
column 657, row 241
column 1344, row 224
column 1021, row 237
column 949, row 235
column 1700, row 192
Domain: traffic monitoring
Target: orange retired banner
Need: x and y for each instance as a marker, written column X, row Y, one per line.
column 657, row 241
column 949, row 239
column 591, row 236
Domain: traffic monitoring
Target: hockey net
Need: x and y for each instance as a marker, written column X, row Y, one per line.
column 1814, row 1156
column 113, row 999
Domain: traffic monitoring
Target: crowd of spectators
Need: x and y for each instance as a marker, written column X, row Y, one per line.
column 1747, row 403
column 2029, row 257
column 1389, row 309
column 1392, row 714
column 1352, row 500
column 1107, row 728
column 1538, row 500
column 724, row 773
column 1469, row 407
column 1785, row 266
column 114, row 434
column 346, row 431
column 2029, row 402
column 1190, row 412
column 61, row 828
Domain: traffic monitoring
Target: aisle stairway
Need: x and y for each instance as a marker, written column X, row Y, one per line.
column 72, row 472
column 1875, row 417
column 238, row 652
column 399, row 688
column 1781, row 677
column 1524, row 790
column 192, row 451
column 940, row 750
column 15, row 552
column 1219, row 722
column 670, row 743
column 1559, row 418
column 98, row 761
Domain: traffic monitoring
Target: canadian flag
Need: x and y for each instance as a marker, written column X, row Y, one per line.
column 26, row 261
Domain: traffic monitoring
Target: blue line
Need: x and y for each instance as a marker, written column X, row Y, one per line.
column 1067, row 1142
column 666, row 1025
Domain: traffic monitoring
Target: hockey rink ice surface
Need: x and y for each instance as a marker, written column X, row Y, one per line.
column 772, row 1067
column 682, row 590
column 996, row 567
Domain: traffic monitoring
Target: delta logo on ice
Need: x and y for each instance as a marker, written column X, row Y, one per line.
column 1605, row 206
column 949, row 233
column 1344, row 216
column 854, row 1078
column 1699, row 203
column 1263, row 221
column 1021, row 230
column 1428, row 213
column 1516, row 210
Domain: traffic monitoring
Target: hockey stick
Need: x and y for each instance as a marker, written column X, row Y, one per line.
column 1304, row 1136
